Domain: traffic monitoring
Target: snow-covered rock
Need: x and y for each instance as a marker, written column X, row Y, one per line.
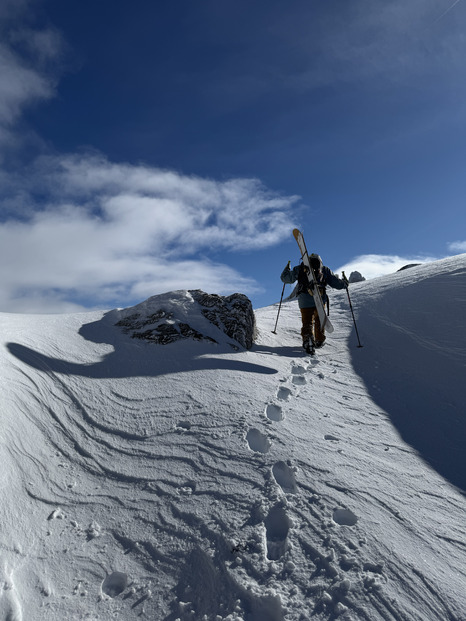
column 196, row 315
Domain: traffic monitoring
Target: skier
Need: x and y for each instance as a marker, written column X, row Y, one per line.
column 312, row 332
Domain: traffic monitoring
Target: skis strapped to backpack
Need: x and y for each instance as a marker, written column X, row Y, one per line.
column 313, row 286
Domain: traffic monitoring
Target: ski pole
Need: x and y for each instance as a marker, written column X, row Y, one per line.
column 274, row 331
column 351, row 307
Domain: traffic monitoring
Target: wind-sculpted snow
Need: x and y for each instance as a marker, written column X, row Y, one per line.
column 195, row 481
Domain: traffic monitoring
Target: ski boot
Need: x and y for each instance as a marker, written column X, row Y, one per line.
column 309, row 347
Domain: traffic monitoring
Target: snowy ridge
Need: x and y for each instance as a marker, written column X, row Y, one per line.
column 192, row 481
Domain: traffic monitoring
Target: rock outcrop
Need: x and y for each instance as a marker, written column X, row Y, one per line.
column 193, row 315
column 356, row 277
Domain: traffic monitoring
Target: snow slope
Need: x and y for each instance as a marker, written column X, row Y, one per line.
column 195, row 481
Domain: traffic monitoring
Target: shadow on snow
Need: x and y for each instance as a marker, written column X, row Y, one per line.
column 413, row 364
column 136, row 358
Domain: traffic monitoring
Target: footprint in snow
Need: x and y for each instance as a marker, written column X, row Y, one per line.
column 257, row 441
column 274, row 412
column 297, row 372
column 183, row 425
column 328, row 436
column 285, row 477
column 283, row 393
column 9, row 602
column 344, row 517
column 277, row 526
column 114, row 584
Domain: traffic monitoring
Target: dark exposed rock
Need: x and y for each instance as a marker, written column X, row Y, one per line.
column 406, row 267
column 233, row 315
column 166, row 333
column 137, row 321
column 356, row 277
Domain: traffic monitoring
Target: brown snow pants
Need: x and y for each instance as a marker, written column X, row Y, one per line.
column 311, row 325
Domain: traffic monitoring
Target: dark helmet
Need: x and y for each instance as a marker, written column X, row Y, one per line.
column 316, row 262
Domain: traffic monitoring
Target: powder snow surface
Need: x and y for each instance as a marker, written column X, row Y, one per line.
column 192, row 481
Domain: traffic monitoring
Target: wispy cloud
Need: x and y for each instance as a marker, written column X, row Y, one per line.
column 116, row 232
column 374, row 265
column 77, row 230
column 30, row 63
column 312, row 45
column 393, row 41
column 18, row 86
column 457, row 246
column 447, row 10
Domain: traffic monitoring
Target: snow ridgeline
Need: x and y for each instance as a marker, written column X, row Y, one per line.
column 196, row 481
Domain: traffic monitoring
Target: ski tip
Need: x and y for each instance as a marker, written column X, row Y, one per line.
column 296, row 233
column 328, row 326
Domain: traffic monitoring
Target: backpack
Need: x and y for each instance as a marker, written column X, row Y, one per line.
column 303, row 284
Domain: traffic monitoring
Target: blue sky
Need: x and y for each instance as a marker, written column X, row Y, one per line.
column 151, row 146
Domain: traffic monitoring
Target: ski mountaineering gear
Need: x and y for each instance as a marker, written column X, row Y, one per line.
column 351, row 307
column 312, row 277
column 305, row 298
column 311, row 332
column 303, row 281
column 274, row 331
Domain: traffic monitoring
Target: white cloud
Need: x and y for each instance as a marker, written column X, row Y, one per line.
column 103, row 233
column 113, row 233
column 19, row 86
column 41, row 46
column 235, row 214
column 30, row 62
column 457, row 246
column 374, row 265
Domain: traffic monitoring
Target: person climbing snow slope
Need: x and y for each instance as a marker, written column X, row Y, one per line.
column 312, row 333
